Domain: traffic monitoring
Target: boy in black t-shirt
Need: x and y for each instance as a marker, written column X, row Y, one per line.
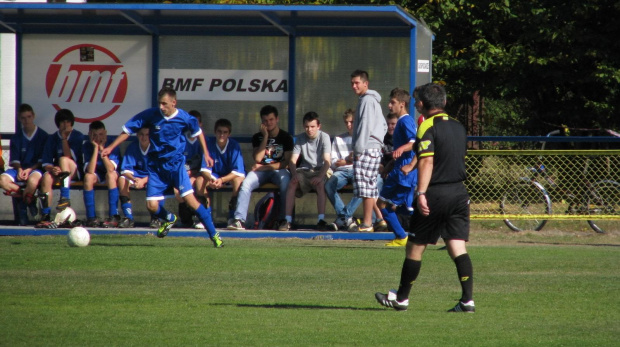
column 272, row 150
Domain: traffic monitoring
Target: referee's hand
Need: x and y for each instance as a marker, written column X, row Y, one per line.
column 423, row 205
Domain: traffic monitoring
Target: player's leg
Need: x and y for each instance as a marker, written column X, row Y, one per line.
column 46, row 196
column 89, row 199
column 69, row 169
column 124, row 187
column 232, row 204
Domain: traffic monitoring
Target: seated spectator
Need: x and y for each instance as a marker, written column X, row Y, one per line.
column 25, row 155
column 98, row 169
column 62, row 160
column 342, row 166
column 314, row 147
column 272, row 148
column 228, row 166
column 134, row 174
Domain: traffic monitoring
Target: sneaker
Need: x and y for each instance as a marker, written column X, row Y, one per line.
column 467, row 307
column 323, row 226
column 341, row 223
column 237, row 224
column 380, row 225
column 284, row 225
column 389, row 300
column 63, row 203
column 126, row 223
column 93, row 222
column 217, row 241
column 155, row 223
column 165, row 227
column 198, row 225
column 112, row 222
column 362, row 228
column 46, row 222
column 397, row 242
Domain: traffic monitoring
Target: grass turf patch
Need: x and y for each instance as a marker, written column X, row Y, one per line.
column 530, row 289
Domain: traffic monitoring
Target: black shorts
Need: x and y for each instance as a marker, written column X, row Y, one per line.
column 449, row 217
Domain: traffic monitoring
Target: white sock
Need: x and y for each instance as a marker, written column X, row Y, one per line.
column 288, row 219
column 321, row 217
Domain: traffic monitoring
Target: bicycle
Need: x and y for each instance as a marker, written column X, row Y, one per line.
column 529, row 196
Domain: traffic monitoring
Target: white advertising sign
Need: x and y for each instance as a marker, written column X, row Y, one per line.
column 106, row 78
column 424, row 66
column 238, row 85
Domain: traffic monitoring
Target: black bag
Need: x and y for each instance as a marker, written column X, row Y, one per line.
column 267, row 211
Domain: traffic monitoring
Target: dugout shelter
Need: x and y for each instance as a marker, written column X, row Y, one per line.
column 107, row 61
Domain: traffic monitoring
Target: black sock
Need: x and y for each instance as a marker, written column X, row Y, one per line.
column 465, row 270
column 408, row 275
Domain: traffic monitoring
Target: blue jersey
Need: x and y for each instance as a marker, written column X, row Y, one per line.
column 135, row 160
column 88, row 154
column 194, row 158
column 53, row 148
column 27, row 151
column 227, row 160
column 165, row 133
column 404, row 132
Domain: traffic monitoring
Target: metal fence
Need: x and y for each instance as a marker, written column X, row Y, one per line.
column 527, row 188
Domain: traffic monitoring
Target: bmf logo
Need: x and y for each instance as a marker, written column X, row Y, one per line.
column 87, row 79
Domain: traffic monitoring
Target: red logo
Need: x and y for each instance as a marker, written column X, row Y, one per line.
column 87, row 79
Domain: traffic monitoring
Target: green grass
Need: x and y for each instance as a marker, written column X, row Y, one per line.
column 553, row 289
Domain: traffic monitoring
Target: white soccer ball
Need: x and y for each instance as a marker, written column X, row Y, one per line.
column 65, row 216
column 78, row 237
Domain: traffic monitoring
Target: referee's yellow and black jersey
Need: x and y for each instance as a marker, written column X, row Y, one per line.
column 445, row 139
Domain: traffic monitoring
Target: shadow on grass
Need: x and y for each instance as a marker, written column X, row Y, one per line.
column 297, row 307
column 570, row 244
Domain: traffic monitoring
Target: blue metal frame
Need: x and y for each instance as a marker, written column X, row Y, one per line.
column 207, row 19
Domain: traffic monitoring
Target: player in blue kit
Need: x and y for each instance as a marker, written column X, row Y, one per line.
column 166, row 162
column 398, row 186
column 62, row 160
column 26, row 151
column 98, row 169
column 228, row 167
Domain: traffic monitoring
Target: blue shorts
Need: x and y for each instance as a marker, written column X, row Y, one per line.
column 12, row 173
column 162, row 178
column 396, row 193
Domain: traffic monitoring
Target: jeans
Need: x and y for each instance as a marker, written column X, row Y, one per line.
column 338, row 180
column 255, row 179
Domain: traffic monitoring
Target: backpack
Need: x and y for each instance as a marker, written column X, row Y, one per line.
column 266, row 211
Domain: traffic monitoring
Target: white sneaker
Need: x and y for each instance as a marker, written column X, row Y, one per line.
column 198, row 225
column 389, row 300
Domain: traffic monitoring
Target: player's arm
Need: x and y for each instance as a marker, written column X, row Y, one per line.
column 259, row 151
column 402, row 149
column 119, row 139
column 205, row 150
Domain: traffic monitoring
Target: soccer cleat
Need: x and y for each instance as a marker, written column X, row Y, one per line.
column 362, row 228
column 237, row 224
column 323, row 226
column 93, row 222
column 284, row 225
column 389, row 300
column 165, row 227
column 126, row 223
column 467, row 307
column 217, row 241
column 397, row 242
column 112, row 222
column 63, row 203
column 155, row 223
column 63, row 175
column 380, row 225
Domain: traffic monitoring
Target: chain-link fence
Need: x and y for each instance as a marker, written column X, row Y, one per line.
column 527, row 188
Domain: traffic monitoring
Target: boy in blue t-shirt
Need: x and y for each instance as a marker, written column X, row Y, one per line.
column 134, row 174
column 98, row 169
column 166, row 162
column 62, row 159
column 228, row 167
column 26, row 151
column 398, row 187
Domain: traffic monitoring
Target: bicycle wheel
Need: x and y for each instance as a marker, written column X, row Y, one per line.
column 604, row 200
column 529, row 198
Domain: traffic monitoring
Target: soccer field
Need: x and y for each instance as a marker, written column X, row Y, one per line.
column 548, row 289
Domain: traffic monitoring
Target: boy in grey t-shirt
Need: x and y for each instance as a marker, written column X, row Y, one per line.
column 314, row 146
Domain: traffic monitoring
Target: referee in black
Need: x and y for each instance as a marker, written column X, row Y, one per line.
column 442, row 201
